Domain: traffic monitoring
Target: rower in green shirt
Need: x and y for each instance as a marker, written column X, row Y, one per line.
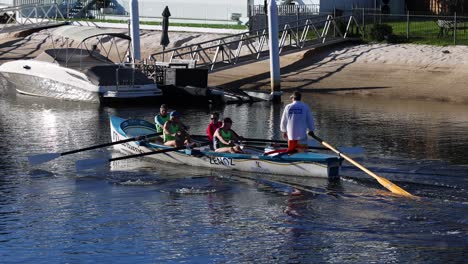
column 161, row 118
column 174, row 133
column 224, row 138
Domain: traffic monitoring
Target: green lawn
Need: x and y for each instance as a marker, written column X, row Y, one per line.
column 427, row 32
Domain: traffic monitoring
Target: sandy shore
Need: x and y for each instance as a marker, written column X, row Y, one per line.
column 403, row 71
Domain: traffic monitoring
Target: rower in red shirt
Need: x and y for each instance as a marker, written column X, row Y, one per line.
column 212, row 126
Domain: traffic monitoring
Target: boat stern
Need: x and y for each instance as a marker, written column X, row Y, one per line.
column 334, row 165
column 129, row 92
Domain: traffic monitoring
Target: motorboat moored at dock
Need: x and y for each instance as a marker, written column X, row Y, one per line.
column 81, row 73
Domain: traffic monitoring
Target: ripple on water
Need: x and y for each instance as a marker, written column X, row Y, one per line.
column 193, row 190
column 194, row 185
column 137, row 182
column 39, row 173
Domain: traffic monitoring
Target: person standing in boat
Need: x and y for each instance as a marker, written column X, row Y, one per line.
column 213, row 126
column 174, row 133
column 224, row 138
column 296, row 123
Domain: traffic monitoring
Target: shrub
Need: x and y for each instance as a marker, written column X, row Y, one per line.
column 381, row 32
column 394, row 39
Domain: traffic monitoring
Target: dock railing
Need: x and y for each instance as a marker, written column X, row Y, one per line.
column 248, row 46
column 37, row 14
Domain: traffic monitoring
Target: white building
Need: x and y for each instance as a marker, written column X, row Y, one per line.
column 227, row 9
column 190, row 9
column 220, row 10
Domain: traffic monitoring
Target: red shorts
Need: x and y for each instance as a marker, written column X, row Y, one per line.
column 293, row 147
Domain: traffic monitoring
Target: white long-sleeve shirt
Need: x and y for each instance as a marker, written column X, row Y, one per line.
column 297, row 120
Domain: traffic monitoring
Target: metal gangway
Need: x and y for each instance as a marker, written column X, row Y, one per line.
column 249, row 46
column 30, row 14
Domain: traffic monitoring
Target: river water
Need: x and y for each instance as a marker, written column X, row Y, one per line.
column 140, row 212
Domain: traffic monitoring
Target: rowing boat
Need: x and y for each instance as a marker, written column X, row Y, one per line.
column 309, row 164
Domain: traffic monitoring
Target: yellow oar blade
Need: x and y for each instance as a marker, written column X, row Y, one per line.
column 384, row 182
column 393, row 187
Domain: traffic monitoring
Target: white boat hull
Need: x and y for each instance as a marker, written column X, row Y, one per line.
column 38, row 78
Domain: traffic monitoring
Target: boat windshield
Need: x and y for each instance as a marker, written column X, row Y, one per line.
column 88, row 43
column 74, row 58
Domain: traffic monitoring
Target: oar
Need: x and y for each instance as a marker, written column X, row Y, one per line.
column 347, row 150
column 249, row 139
column 263, row 140
column 257, row 141
column 45, row 157
column 384, row 182
column 90, row 163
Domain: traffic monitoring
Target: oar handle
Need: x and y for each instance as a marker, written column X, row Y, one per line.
column 111, row 143
column 326, row 144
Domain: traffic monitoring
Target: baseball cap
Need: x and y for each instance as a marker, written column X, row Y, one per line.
column 227, row 120
column 175, row 114
column 163, row 106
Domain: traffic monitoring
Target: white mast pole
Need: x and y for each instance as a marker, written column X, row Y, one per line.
column 274, row 51
column 135, row 30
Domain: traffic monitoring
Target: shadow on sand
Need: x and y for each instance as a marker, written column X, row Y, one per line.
column 324, row 58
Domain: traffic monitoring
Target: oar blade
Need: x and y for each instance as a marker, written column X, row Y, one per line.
column 42, row 158
column 393, row 187
column 91, row 163
column 384, row 182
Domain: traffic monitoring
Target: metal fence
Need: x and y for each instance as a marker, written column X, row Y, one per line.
column 430, row 29
column 69, row 8
column 285, row 9
column 286, row 14
column 418, row 28
column 35, row 15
